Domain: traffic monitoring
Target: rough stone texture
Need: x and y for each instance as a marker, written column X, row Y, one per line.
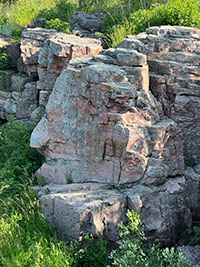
column 174, row 61
column 165, row 209
column 56, row 53
column 31, row 43
column 107, row 127
column 19, row 80
column 84, row 22
column 192, row 253
column 44, row 54
column 104, row 125
column 4, row 40
column 94, row 211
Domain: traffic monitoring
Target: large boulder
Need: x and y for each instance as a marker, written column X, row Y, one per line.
column 107, row 124
column 165, row 209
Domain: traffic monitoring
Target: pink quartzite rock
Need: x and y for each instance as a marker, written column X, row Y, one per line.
column 173, row 55
column 44, row 55
column 102, row 124
column 105, row 125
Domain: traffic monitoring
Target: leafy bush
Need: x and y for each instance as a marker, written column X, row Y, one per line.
column 92, row 253
column 175, row 12
column 17, row 160
column 58, row 25
column 20, row 13
column 134, row 253
column 63, row 10
column 6, row 62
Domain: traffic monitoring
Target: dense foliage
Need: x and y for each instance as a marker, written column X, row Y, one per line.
column 175, row 12
column 6, row 62
column 133, row 251
column 58, row 25
column 25, row 237
column 18, row 161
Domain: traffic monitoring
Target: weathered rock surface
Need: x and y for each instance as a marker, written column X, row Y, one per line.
column 93, row 211
column 174, row 61
column 84, row 21
column 44, row 54
column 108, row 127
column 165, row 209
column 192, row 253
column 105, row 124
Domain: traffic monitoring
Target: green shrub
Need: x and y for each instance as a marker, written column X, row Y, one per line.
column 92, row 253
column 25, row 237
column 17, row 160
column 20, row 13
column 63, row 10
column 6, row 62
column 58, row 25
column 175, row 12
column 134, row 253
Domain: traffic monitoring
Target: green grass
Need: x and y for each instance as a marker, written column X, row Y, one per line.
column 175, row 12
column 26, row 240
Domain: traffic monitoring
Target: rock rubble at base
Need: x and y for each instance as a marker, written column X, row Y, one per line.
column 76, row 209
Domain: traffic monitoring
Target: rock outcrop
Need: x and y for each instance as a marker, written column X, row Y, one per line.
column 173, row 55
column 105, row 124
column 108, row 125
column 120, row 131
column 44, row 54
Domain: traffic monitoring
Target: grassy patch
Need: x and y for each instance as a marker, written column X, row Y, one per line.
column 175, row 12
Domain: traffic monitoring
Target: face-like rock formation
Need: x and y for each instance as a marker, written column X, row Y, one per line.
column 127, row 117
column 102, row 124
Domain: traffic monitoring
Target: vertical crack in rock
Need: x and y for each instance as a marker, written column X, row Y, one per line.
column 111, row 128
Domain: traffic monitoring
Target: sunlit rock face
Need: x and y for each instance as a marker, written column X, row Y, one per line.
column 173, row 55
column 128, row 119
column 102, row 124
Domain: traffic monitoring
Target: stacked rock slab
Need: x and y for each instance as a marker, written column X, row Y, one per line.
column 173, row 55
column 47, row 52
column 103, row 125
column 44, row 54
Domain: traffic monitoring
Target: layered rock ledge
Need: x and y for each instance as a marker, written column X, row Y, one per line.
column 44, row 55
column 126, row 119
